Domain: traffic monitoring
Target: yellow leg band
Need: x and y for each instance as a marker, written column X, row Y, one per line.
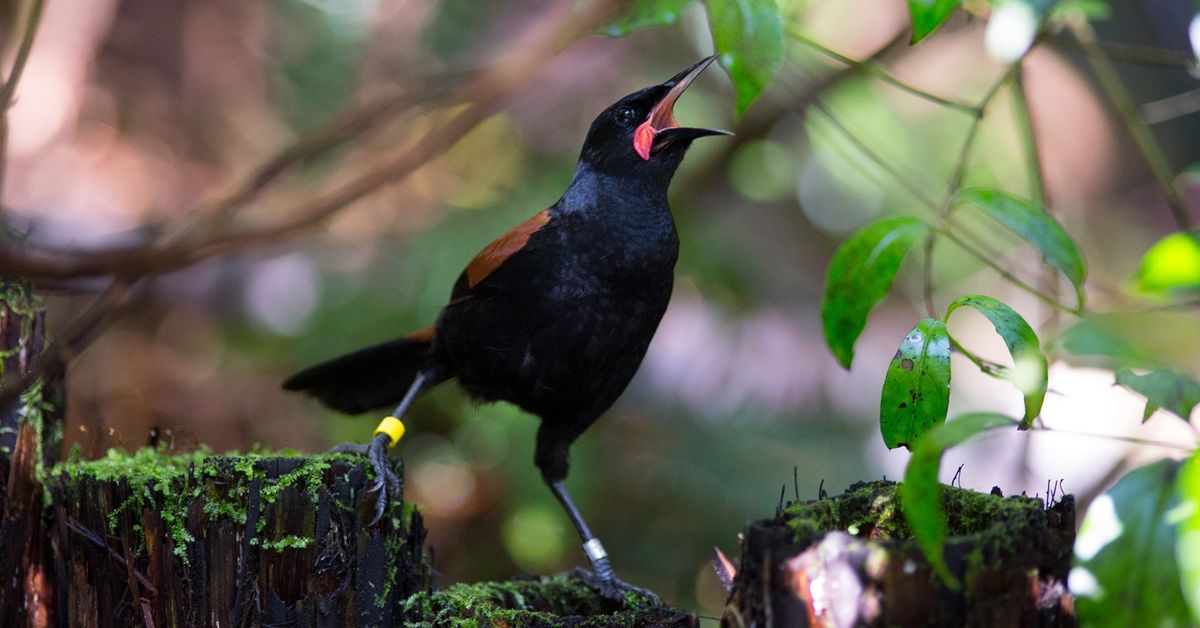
column 393, row 428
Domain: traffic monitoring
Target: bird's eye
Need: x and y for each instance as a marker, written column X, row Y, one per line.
column 626, row 115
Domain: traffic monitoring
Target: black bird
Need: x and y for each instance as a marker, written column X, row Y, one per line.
column 555, row 315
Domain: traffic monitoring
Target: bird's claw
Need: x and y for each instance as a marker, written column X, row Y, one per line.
column 387, row 485
column 614, row 588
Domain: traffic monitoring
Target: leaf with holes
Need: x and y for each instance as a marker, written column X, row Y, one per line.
column 860, row 276
column 928, row 15
column 916, row 389
column 645, row 14
column 1029, row 372
column 1171, row 390
column 748, row 37
column 1034, row 225
column 1125, row 552
column 920, row 493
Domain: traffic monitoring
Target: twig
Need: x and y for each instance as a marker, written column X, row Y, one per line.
column 485, row 93
column 78, row 528
column 9, row 88
column 875, row 70
column 1008, row 276
column 1033, row 158
column 1037, row 175
column 946, row 206
column 1171, row 107
column 904, row 180
column 1131, row 118
column 1128, row 53
column 986, row 366
column 1124, row 439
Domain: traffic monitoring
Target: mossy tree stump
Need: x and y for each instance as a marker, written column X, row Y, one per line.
column 851, row 561
column 30, row 437
column 150, row 539
column 196, row 540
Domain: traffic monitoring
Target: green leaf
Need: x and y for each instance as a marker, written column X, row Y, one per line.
column 1148, row 340
column 1173, row 263
column 1091, row 10
column 1029, row 373
column 920, row 493
column 860, row 276
column 645, row 14
column 748, row 36
column 1176, row 392
column 916, row 389
column 1033, row 224
column 1187, row 536
column 928, row 15
column 1127, row 547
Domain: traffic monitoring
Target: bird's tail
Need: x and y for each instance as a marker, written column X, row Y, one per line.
column 367, row 379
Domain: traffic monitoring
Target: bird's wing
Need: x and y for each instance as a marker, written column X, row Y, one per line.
column 493, row 255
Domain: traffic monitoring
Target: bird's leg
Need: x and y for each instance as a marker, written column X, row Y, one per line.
column 386, row 482
column 601, row 577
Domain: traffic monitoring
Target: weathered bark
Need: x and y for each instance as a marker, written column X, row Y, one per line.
column 850, row 561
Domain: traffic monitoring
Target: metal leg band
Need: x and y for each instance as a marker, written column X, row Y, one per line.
column 594, row 550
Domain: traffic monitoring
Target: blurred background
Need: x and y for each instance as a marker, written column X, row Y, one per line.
column 132, row 112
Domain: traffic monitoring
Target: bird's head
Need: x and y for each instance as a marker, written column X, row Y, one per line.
column 638, row 133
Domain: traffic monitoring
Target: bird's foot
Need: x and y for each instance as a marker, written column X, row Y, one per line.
column 386, row 482
column 609, row 586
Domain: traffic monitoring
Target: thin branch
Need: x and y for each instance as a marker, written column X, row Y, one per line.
column 1008, row 276
column 1124, row 439
column 34, row 18
column 903, row 179
column 1110, row 82
column 927, row 279
column 1036, row 173
column 75, row 526
column 485, row 95
column 1033, row 157
column 986, row 366
column 1128, row 53
column 1171, row 107
column 9, row 88
column 878, row 72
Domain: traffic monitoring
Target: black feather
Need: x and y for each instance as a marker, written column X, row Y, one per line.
column 367, row 379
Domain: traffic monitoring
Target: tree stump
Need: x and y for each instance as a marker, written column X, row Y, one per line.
column 851, row 561
column 199, row 540
column 30, row 438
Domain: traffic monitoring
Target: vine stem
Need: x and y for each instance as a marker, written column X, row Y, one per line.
column 1126, row 439
column 987, row 367
column 9, row 88
column 1008, row 276
column 883, row 75
column 944, row 208
column 1110, row 82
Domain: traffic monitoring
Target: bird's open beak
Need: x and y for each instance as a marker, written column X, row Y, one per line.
column 660, row 127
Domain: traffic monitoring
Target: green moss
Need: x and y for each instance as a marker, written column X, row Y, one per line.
column 872, row 510
column 290, row 541
column 18, row 297
column 159, row 481
column 555, row 601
